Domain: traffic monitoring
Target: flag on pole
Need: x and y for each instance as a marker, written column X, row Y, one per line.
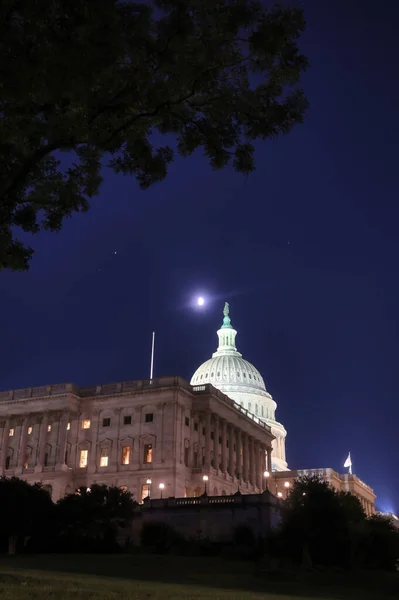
column 348, row 463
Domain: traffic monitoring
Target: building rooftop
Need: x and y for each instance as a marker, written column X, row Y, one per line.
column 122, row 387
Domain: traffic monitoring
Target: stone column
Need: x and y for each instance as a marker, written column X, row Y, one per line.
column 115, row 458
column 62, row 438
column 41, row 451
column 258, row 474
column 92, row 463
column 245, row 458
column 216, row 445
column 238, row 454
column 231, row 451
column 269, row 460
column 207, row 421
column 4, row 444
column 22, row 444
column 252, row 466
column 263, row 466
column 224, row 447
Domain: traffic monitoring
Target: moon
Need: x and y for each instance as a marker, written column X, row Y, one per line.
column 200, row 301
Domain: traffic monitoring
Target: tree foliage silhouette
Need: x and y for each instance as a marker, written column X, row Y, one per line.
column 98, row 79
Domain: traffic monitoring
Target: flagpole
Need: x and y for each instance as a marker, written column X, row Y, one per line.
column 152, row 356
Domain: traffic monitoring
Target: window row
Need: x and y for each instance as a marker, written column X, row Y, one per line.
column 125, row 456
column 86, row 423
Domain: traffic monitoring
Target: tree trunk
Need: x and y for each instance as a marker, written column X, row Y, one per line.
column 306, row 562
column 12, row 545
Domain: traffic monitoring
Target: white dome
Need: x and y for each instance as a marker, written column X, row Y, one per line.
column 240, row 380
column 228, row 369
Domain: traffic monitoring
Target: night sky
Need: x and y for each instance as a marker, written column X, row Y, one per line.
column 305, row 250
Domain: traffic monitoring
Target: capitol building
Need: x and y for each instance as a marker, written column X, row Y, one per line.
column 160, row 437
column 240, row 380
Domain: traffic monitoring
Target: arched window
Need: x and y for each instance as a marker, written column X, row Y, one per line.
column 249, row 406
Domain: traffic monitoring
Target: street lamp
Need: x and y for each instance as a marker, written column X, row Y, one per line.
column 149, row 482
column 161, row 487
column 279, row 494
column 205, row 479
column 286, row 484
column 266, row 475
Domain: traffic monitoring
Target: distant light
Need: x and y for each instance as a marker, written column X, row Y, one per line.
column 279, row 494
column 161, row 486
column 266, row 474
column 200, row 301
column 287, row 484
column 205, row 478
column 148, row 482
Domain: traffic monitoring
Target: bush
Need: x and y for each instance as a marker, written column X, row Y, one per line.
column 159, row 537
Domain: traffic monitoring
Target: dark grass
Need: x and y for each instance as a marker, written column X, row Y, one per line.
column 183, row 577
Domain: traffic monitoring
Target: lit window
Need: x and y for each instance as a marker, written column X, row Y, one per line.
column 104, row 457
column 30, row 429
column 145, row 491
column 148, row 453
column 149, row 418
column 68, row 426
column 86, row 424
column 11, row 432
column 26, row 461
column 83, row 458
column 48, row 428
column 125, row 455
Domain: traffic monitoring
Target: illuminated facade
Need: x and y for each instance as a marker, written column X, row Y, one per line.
column 241, row 381
column 342, row 482
column 153, row 436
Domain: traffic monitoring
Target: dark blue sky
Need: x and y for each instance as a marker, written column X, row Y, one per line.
column 305, row 250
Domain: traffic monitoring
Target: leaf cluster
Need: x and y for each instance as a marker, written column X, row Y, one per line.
column 98, row 80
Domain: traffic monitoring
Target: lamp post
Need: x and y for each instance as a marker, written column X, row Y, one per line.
column 161, row 487
column 149, row 482
column 286, row 485
column 279, row 494
column 266, row 475
column 205, row 479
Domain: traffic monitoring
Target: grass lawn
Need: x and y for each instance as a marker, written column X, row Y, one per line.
column 129, row 577
column 28, row 585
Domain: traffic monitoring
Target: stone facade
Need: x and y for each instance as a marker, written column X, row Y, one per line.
column 137, row 434
column 341, row 482
column 214, row 518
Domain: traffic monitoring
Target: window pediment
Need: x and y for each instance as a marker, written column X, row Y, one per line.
column 148, row 438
